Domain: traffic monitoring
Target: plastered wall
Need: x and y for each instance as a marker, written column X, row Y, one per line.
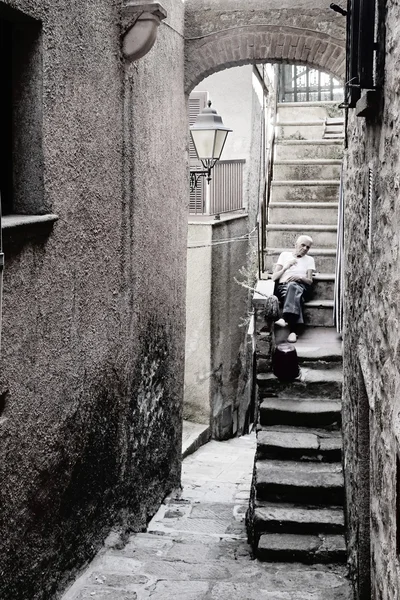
column 93, row 321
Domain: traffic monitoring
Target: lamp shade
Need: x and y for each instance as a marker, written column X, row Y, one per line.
column 209, row 136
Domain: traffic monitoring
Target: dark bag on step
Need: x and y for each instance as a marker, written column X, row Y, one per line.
column 285, row 363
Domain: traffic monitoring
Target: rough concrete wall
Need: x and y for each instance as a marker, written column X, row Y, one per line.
column 372, row 318
column 93, row 327
column 197, row 406
column 222, row 33
column 216, row 367
column 228, row 309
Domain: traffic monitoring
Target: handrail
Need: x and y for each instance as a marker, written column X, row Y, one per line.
column 263, row 212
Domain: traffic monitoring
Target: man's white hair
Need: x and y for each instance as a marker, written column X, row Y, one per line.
column 306, row 238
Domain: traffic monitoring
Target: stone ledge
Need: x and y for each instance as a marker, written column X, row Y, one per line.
column 12, row 222
column 367, row 105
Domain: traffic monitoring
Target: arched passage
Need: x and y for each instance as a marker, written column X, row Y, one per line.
column 224, row 34
column 263, row 44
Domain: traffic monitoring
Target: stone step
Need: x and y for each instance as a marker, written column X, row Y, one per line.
column 318, row 313
column 320, row 346
column 309, row 129
column 305, row 191
column 302, row 548
column 302, row 130
column 290, row 149
column 302, row 413
column 323, row 286
column 307, row 169
column 325, row 352
column 325, row 258
column 311, row 122
column 282, row 234
column 307, row 110
column 308, row 213
column 314, row 383
column 334, row 133
column 315, row 483
column 298, row 443
column 290, row 518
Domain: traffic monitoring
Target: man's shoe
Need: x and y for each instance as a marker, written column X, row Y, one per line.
column 292, row 337
column 281, row 323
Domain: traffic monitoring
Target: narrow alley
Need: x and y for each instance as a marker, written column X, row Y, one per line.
column 195, row 547
column 199, row 300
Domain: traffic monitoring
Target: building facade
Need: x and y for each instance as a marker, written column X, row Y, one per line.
column 217, row 361
column 372, row 329
column 95, row 226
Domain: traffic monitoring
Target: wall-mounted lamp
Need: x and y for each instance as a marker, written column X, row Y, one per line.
column 209, row 136
column 141, row 21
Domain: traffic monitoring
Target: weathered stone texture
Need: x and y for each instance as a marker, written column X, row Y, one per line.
column 228, row 342
column 223, row 34
column 372, row 330
column 93, row 323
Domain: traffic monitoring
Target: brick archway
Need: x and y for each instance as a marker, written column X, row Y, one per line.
column 241, row 45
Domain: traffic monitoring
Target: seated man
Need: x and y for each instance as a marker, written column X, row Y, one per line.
column 293, row 272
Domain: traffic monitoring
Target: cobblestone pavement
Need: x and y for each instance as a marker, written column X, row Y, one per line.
column 195, row 547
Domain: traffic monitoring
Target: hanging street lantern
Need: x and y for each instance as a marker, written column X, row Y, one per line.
column 209, row 136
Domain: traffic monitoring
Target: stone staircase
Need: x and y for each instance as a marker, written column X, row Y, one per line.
column 304, row 194
column 296, row 508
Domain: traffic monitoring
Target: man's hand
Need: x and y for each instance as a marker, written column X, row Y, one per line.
column 290, row 263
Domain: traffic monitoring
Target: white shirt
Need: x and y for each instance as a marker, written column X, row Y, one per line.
column 304, row 263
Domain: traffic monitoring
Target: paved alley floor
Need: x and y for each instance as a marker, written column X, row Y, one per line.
column 195, row 547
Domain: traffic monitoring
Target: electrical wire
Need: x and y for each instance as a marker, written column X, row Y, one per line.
column 252, row 25
column 242, row 238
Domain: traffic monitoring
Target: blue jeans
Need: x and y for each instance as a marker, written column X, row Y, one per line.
column 292, row 294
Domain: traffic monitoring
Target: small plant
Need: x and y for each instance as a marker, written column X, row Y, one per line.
column 334, row 111
column 249, row 275
column 296, row 136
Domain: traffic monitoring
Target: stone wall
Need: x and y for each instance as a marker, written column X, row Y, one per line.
column 216, row 369
column 197, row 405
column 227, row 33
column 93, row 321
column 228, row 343
column 372, row 330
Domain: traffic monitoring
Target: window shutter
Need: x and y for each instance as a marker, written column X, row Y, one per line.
column 197, row 101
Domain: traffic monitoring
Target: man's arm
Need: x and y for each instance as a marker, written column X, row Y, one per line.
column 307, row 279
column 280, row 269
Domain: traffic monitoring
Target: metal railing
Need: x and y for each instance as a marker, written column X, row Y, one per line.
column 225, row 192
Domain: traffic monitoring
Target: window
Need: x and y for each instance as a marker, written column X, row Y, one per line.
column 6, row 149
column 197, row 102
column 360, row 49
column 303, row 84
column 21, row 151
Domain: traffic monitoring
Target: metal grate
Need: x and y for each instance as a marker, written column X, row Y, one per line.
column 226, row 193
column 298, row 83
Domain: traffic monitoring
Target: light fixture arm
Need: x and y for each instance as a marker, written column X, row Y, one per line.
column 195, row 177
